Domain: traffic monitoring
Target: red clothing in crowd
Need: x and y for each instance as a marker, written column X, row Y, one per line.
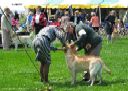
column 55, row 23
column 14, row 22
column 95, row 21
column 42, row 20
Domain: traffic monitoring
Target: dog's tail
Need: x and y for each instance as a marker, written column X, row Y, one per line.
column 106, row 68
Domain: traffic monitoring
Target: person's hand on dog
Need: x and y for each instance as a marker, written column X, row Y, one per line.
column 88, row 46
column 73, row 45
column 53, row 49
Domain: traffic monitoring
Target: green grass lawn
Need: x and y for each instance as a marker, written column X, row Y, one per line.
column 17, row 73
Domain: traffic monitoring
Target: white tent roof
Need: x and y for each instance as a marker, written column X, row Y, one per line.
column 121, row 4
column 71, row 2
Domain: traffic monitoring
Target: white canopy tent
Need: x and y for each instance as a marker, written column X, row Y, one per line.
column 121, row 4
column 69, row 2
column 76, row 3
column 58, row 3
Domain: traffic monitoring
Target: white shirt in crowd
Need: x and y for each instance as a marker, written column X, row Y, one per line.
column 37, row 17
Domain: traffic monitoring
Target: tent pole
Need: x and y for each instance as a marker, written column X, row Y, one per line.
column 100, row 10
column 99, row 13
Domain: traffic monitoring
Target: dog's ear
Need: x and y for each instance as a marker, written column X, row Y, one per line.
column 67, row 43
column 72, row 42
column 72, row 45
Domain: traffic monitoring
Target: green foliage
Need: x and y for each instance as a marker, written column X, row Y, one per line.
column 17, row 73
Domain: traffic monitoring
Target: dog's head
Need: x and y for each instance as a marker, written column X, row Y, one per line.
column 70, row 47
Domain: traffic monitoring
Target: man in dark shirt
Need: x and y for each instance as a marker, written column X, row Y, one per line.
column 88, row 40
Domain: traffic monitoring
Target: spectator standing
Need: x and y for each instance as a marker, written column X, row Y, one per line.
column 59, row 13
column 6, row 29
column 82, row 16
column 15, row 22
column 64, row 20
column 95, row 21
column 109, row 24
column 39, row 20
column 75, row 18
column 70, row 34
column 29, row 21
column 70, row 10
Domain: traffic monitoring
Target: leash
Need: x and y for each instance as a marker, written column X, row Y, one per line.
column 30, row 59
column 60, row 49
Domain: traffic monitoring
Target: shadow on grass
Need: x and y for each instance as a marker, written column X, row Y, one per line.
column 78, row 83
column 118, row 81
column 67, row 84
column 109, row 83
column 82, row 83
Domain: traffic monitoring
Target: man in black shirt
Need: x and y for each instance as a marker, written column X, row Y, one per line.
column 109, row 25
column 88, row 40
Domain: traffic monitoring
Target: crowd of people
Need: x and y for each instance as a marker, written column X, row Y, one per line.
column 70, row 26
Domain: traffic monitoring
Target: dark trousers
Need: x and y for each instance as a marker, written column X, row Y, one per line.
column 38, row 27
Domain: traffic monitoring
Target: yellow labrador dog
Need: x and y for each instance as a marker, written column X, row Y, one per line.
column 77, row 64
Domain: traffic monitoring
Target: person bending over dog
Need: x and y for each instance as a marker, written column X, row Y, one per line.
column 88, row 40
column 41, row 45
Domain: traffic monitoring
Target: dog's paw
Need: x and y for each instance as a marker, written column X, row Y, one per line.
column 72, row 83
column 89, row 81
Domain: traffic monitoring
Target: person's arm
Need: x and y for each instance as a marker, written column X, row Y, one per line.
column 60, row 35
column 81, row 39
column 53, row 48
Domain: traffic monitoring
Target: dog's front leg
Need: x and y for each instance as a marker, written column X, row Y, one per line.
column 16, row 46
column 100, row 76
column 92, row 78
column 73, row 76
